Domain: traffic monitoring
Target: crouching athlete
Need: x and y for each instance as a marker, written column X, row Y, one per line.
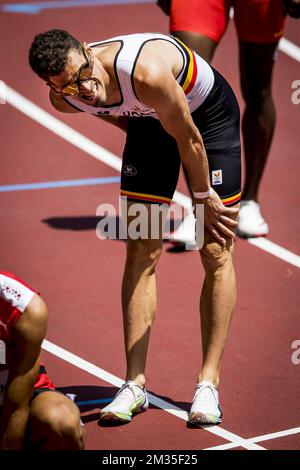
column 32, row 413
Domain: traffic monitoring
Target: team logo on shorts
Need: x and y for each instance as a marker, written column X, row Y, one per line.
column 129, row 170
column 216, row 176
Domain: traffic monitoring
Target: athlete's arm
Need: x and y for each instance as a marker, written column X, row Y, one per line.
column 28, row 334
column 63, row 106
column 158, row 89
column 156, row 86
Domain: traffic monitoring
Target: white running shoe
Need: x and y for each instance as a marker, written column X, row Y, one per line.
column 205, row 408
column 130, row 399
column 185, row 234
column 251, row 222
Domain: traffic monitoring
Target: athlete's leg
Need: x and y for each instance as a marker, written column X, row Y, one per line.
column 54, row 423
column 139, row 299
column 259, row 27
column 258, row 122
column 217, row 304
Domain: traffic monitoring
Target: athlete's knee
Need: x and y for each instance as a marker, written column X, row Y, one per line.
column 143, row 254
column 214, row 256
column 62, row 428
column 256, row 94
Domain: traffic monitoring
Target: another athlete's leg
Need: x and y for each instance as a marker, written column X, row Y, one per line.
column 54, row 423
column 258, row 123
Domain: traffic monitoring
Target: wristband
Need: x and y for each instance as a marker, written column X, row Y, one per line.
column 204, row 194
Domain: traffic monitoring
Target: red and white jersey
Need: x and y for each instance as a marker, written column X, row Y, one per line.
column 15, row 296
column 196, row 77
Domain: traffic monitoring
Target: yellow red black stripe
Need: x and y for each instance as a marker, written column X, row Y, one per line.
column 231, row 200
column 190, row 73
column 146, row 197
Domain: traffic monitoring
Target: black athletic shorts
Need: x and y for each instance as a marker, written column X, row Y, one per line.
column 151, row 160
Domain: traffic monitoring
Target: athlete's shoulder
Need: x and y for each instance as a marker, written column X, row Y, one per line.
column 152, row 71
column 31, row 325
column 7, row 279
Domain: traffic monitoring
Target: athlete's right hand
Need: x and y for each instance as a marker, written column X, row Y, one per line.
column 219, row 220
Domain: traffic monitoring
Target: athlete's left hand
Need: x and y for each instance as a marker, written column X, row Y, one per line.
column 219, row 220
column 292, row 8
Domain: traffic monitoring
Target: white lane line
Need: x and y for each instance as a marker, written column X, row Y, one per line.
column 83, row 143
column 275, row 435
column 275, row 250
column 264, row 437
column 290, row 49
column 228, row 446
column 164, row 405
column 59, row 128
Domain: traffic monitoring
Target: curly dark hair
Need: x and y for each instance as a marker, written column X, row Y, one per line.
column 49, row 52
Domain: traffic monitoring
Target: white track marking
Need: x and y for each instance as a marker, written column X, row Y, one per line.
column 264, row 437
column 59, row 128
column 275, row 435
column 290, row 49
column 83, row 143
column 164, row 405
column 276, row 250
column 228, row 446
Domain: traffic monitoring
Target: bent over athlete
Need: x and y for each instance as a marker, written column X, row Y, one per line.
column 174, row 107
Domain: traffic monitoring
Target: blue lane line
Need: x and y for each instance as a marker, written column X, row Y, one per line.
column 34, row 8
column 60, row 184
column 94, row 402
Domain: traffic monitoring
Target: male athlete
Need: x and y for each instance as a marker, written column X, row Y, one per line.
column 201, row 24
column 175, row 107
column 32, row 413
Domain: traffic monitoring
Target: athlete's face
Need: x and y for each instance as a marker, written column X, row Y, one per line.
column 82, row 78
